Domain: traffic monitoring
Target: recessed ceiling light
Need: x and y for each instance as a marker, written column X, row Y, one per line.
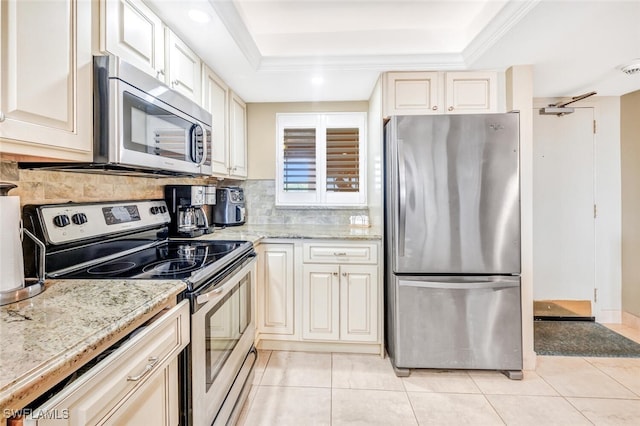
column 199, row 16
column 317, row 80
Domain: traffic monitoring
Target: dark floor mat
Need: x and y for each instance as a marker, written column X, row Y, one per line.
column 580, row 338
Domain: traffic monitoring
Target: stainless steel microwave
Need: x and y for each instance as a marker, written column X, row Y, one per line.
column 140, row 122
column 142, row 127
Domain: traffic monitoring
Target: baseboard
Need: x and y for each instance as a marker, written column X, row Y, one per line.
column 630, row 320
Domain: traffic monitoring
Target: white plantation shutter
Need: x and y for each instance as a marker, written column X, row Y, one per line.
column 343, row 160
column 299, row 160
column 320, row 159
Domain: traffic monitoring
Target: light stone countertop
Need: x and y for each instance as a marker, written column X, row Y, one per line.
column 51, row 335
column 255, row 233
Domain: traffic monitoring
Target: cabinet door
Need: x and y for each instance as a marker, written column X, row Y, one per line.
column 275, row 289
column 358, row 303
column 46, row 79
column 155, row 403
column 128, row 377
column 131, row 31
column 469, row 92
column 185, row 67
column 237, row 138
column 216, row 101
column 410, row 93
column 320, row 302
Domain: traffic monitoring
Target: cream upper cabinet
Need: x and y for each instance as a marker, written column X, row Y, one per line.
column 131, row 31
column 469, row 92
column 275, row 289
column 237, row 137
column 216, row 100
column 184, row 67
column 229, row 139
column 414, row 93
column 46, row 79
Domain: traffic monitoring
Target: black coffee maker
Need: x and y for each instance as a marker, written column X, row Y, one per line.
column 188, row 218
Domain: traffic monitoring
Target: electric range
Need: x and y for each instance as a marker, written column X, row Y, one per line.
column 129, row 240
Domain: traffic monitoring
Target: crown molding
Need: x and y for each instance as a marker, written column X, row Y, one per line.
column 228, row 14
column 504, row 20
column 453, row 61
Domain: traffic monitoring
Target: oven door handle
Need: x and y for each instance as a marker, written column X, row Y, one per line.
column 226, row 287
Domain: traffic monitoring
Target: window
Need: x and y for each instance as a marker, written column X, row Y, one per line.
column 321, row 159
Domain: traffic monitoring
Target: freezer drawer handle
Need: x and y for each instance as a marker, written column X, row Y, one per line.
column 465, row 285
column 147, row 369
column 339, row 253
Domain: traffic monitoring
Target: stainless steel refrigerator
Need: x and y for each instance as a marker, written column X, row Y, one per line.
column 452, row 242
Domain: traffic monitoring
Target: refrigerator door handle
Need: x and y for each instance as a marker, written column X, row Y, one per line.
column 402, row 198
column 457, row 284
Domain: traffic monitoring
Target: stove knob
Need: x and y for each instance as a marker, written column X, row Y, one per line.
column 61, row 220
column 163, row 209
column 155, row 210
column 79, row 218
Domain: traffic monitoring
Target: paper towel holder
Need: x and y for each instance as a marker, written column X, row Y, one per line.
column 25, row 287
column 32, row 286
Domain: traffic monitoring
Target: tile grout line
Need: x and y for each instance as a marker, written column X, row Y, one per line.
column 612, row 378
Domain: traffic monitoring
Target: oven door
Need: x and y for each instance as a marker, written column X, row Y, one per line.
column 222, row 335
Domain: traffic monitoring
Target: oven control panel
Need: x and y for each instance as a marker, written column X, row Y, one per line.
column 73, row 222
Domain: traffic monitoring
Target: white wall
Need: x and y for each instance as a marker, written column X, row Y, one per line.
column 630, row 160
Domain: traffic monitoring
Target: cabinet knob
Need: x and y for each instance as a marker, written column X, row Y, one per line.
column 159, row 73
column 450, row 108
column 174, row 83
column 2, row 116
column 335, row 274
column 435, row 107
column 344, row 274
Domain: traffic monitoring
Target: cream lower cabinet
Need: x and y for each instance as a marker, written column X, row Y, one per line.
column 340, row 291
column 340, row 302
column 135, row 384
column 275, row 289
column 46, row 67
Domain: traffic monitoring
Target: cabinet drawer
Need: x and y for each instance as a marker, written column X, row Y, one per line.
column 104, row 388
column 340, row 252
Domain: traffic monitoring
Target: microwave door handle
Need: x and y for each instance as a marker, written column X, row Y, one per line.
column 194, row 144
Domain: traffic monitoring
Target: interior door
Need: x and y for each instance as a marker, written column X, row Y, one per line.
column 563, row 206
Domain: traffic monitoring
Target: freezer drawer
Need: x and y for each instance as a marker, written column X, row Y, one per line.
column 458, row 322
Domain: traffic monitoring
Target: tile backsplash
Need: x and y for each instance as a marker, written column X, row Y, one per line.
column 49, row 187
column 261, row 209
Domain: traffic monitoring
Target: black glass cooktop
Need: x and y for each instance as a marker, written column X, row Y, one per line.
column 172, row 259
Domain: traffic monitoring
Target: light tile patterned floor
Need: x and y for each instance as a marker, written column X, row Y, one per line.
column 298, row 388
